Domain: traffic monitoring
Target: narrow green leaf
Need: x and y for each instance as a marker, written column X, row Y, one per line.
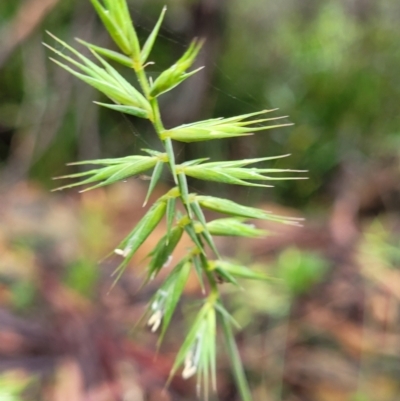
column 163, row 251
column 239, row 271
column 171, row 203
column 199, row 271
column 111, row 54
column 129, row 28
column 184, row 190
column 89, row 67
column 77, row 175
column 196, row 135
column 225, row 276
column 115, row 32
column 178, row 79
column 108, row 76
column 117, row 14
column 212, row 354
column 199, row 213
column 124, row 243
column 124, row 85
column 193, row 236
column 171, row 157
column 148, row 46
column 139, row 234
column 256, row 174
column 219, row 128
column 221, row 309
column 229, row 207
column 174, row 75
column 132, row 110
column 210, row 242
column 222, row 175
column 190, row 340
column 111, row 91
column 129, row 170
column 156, row 153
column 223, row 121
column 245, row 162
column 234, row 227
column 194, row 162
column 98, row 175
column 174, row 296
column 205, row 233
column 237, row 366
column 154, row 179
column 119, row 160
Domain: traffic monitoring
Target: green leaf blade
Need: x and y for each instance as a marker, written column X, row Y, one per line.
column 174, row 296
column 234, row 227
column 132, row 110
column 127, row 171
column 227, row 206
column 174, row 75
column 111, row 54
column 112, row 27
column 240, row 271
column 155, row 177
column 163, row 251
column 148, row 46
column 139, row 234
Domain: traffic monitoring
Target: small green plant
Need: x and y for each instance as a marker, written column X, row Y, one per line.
column 197, row 354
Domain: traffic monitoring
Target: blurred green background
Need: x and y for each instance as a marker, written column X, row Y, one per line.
column 332, row 66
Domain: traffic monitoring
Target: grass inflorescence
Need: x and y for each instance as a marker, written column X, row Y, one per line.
column 197, row 355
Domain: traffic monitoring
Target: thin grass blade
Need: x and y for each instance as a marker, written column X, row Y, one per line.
column 237, row 365
column 234, row 227
column 148, row 46
column 155, row 177
column 132, row 110
column 111, row 54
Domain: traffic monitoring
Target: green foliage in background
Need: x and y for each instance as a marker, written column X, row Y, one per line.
column 333, row 64
column 12, row 388
column 197, row 354
column 300, row 271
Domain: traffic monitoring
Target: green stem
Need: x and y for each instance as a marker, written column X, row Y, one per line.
column 159, row 128
column 158, row 125
column 182, row 185
column 142, row 78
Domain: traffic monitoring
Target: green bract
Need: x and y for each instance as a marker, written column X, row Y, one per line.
column 234, row 227
column 221, row 172
column 229, row 270
column 220, row 128
column 148, row 46
column 183, row 211
column 116, row 18
column 116, row 170
column 107, row 80
column 177, row 73
column 227, row 206
column 128, row 247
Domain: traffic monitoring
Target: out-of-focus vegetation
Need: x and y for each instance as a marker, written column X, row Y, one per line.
column 331, row 66
column 328, row 328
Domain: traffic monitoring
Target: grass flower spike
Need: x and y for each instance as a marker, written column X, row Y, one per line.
column 182, row 209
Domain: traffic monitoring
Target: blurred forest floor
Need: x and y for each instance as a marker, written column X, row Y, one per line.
column 327, row 330
column 328, row 327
